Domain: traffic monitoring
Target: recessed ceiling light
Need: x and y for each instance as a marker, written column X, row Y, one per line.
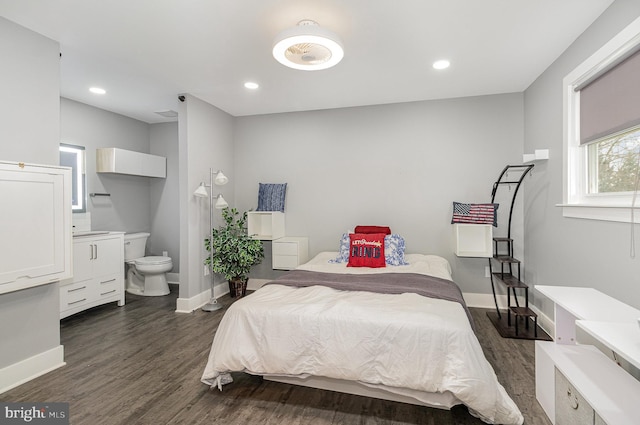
column 97, row 90
column 308, row 47
column 251, row 85
column 441, row 64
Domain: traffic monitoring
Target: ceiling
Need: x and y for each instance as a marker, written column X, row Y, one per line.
column 146, row 52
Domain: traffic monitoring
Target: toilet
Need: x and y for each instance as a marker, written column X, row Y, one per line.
column 145, row 275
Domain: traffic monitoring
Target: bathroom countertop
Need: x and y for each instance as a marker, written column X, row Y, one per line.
column 94, row 233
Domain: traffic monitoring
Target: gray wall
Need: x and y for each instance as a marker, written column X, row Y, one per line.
column 136, row 203
column 128, row 207
column 29, row 130
column 205, row 136
column 568, row 251
column 164, row 194
column 399, row 165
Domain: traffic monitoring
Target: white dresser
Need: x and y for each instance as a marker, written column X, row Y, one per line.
column 289, row 252
column 98, row 273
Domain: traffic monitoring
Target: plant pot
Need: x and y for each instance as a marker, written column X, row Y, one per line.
column 238, row 288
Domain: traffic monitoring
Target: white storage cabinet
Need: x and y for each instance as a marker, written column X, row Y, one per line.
column 473, row 240
column 122, row 161
column 265, row 225
column 98, row 274
column 35, row 225
column 289, row 252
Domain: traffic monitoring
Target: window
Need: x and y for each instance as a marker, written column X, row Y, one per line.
column 602, row 131
column 613, row 163
column 73, row 156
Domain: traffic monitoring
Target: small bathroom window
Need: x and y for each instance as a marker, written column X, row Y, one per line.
column 73, row 156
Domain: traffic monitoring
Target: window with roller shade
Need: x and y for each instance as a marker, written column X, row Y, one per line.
column 610, row 128
column 601, row 99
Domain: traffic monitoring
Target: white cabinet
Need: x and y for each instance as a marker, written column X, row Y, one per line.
column 571, row 406
column 289, row 252
column 610, row 390
column 122, row 161
column 473, row 240
column 265, row 225
column 98, row 274
column 35, row 225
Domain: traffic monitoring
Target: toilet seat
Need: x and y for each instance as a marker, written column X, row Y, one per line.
column 152, row 261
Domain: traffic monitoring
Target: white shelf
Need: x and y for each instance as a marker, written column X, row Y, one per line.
column 473, row 240
column 622, row 338
column 122, row 161
column 608, row 389
column 538, row 155
column 265, row 225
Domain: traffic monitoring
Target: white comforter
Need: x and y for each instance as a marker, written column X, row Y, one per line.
column 404, row 341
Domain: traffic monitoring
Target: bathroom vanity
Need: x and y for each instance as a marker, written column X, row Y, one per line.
column 98, row 272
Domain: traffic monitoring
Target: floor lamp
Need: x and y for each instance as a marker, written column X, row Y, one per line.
column 219, row 179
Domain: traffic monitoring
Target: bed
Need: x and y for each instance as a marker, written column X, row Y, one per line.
column 324, row 325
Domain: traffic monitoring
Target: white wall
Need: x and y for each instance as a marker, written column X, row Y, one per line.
column 568, row 251
column 29, row 132
column 205, row 141
column 400, row 165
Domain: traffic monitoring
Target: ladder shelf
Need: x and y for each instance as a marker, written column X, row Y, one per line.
column 507, row 267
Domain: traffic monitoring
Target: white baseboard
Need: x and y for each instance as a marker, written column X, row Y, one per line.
column 173, row 278
column 31, row 368
column 188, row 305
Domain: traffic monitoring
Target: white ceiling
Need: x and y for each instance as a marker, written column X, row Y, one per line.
column 146, row 52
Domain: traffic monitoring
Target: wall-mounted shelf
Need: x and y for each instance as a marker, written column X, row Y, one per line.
column 265, row 225
column 122, row 161
column 538, row 155
column 473, row 240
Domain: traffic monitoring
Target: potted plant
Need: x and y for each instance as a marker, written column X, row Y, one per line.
column 232, row 251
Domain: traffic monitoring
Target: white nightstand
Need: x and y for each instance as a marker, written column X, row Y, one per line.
column 289, row 252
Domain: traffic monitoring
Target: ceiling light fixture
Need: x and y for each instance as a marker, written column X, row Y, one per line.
column 308, row 47
column 441, row 64
column 97, row 90
column 251, row 85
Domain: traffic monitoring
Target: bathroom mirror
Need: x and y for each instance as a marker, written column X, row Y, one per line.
column 73, row 156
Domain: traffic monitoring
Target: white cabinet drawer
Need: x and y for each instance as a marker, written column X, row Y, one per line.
column 289, row 252
column 285, row 262
column 75, row 294
column 109, row 286
column 285, row 248
column 571, row 407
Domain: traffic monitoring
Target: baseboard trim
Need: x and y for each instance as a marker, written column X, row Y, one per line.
column 189, row 305
column 31, row 368
column 486, row 301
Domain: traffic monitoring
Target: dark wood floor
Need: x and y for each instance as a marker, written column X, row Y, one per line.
column 141, row 364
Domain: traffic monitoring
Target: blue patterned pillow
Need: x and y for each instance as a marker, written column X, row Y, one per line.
column 343, row 251
column 271, row 197
column 393, row 250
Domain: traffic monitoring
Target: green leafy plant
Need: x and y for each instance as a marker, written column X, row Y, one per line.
column 233, row 251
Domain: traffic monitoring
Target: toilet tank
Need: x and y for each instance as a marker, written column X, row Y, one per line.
column 134, row 245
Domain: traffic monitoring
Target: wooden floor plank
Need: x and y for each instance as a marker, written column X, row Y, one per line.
column 141, row 364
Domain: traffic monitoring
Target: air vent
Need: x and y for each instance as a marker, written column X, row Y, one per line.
column 167, row 113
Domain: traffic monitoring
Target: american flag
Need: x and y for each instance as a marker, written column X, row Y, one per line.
column 474, row 213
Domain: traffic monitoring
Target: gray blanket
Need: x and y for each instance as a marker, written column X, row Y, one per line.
column 383, row 283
